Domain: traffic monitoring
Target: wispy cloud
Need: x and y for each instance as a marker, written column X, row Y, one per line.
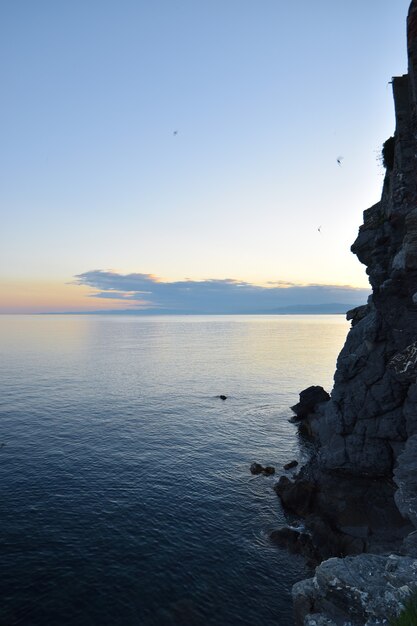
column 145, row 291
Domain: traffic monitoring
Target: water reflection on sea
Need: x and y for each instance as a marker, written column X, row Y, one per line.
column 126, row 496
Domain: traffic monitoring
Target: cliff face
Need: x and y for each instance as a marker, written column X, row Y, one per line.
column 366, row 433
column 373, row 406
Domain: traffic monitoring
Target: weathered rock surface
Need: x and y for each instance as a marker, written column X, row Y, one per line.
column 365, row 590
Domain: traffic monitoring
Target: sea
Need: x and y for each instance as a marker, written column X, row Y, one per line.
column 125, row 491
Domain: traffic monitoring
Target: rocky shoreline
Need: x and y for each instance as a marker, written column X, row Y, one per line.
column 357, row 497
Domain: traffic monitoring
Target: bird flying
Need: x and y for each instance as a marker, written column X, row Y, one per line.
column 339, row 160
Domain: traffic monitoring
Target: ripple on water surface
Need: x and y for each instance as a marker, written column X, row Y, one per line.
column 126, row 492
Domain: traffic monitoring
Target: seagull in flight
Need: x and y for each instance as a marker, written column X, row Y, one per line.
column 339, row 161
column 319, row 229
column 175, row 132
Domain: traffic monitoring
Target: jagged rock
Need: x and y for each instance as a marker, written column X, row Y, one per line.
column 309, row 399
column 362, row 590
column 357, row 314
column 310, row 410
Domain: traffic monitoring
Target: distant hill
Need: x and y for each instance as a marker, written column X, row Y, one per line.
column 333, row 308
column 314, row 309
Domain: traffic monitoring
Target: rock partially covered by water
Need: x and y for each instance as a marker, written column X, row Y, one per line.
column 309, row 399
column 296, row 496
column 290, row 465
column 317, row 541
column 362, row 590
column 295, row 541
column 310, row 409
column 345, row 514
column 257, row 468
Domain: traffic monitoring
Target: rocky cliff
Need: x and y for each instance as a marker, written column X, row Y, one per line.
column 373, row 406
column 362, row 483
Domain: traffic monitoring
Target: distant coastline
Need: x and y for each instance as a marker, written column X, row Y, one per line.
column 335, row 308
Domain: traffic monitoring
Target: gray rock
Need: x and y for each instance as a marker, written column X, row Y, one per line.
column 303, row 594
column 362, row 590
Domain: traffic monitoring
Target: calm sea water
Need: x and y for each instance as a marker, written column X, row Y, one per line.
column 126, row 496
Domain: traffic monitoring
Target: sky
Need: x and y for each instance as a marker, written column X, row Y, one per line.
column 191, row 144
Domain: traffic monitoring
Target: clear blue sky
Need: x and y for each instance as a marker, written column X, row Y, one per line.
column 264, row 95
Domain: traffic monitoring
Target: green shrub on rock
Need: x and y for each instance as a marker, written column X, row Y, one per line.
column 388, row 153
column 407, row 617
